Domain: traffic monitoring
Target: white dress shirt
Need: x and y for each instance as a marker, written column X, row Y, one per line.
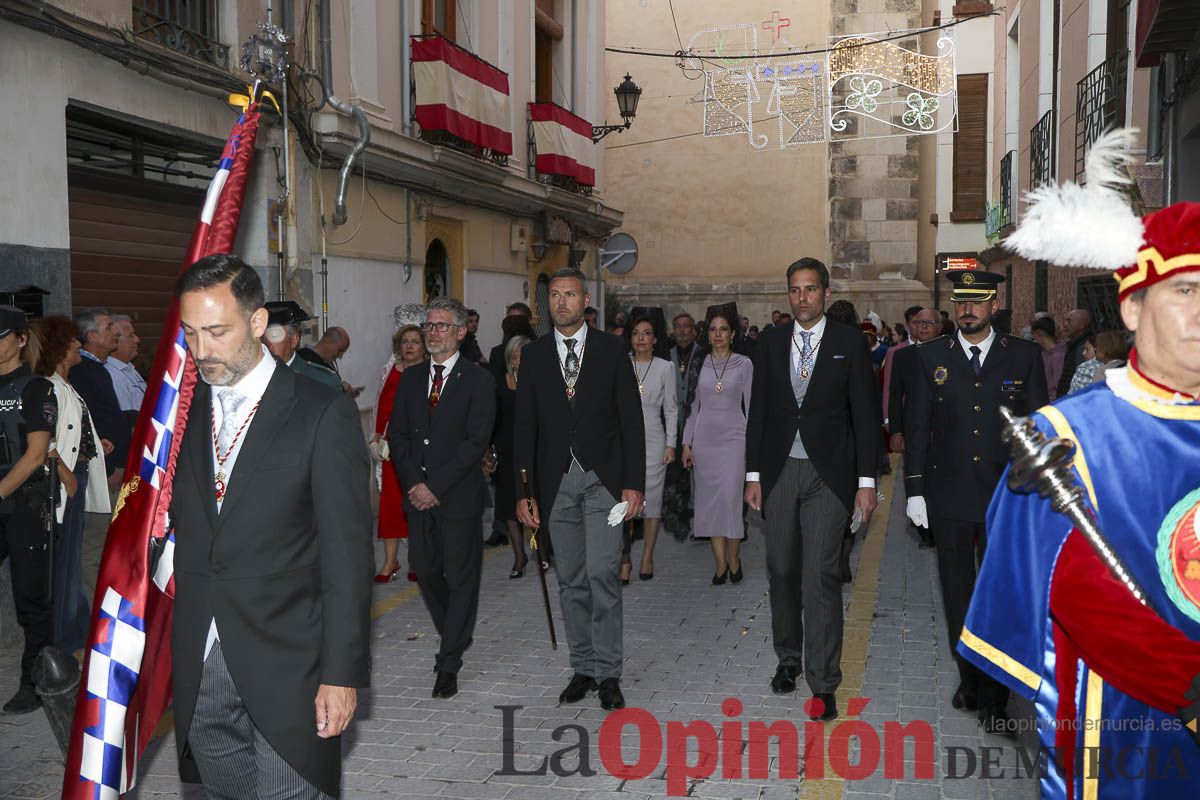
column 127, row 383
column 818, row 333
column 449, row 367
column 983, row 346
column 580, row 337
column 252, row 386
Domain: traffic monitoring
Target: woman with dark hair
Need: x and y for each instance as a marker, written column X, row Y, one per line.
column 656, row 386
column 714, row 444
column 81, row 488
column 503, row 457
column 408, row 347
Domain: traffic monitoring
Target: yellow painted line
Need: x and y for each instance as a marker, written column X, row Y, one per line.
column 856, row 638
column 389, row 603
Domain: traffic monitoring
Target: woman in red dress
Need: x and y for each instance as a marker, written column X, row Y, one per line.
column 408, row 347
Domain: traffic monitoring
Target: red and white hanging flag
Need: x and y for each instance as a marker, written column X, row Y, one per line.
column 460, row 93
column 563, row 142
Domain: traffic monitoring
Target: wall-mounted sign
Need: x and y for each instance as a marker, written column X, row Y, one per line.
column 958, row 262
column 558, row 230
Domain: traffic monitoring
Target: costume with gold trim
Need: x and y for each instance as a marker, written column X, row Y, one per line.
column 1109, row 677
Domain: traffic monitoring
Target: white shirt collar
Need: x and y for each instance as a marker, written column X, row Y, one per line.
column 91, row 355
column 818, row 330
column 983, row 346
column 253, row 384
column 448, row 364
column 579, row 336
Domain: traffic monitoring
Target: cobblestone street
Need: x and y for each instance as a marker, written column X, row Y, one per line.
column 689, row 646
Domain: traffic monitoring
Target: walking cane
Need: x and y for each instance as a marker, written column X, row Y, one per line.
column 49, row 516
column 533, row 543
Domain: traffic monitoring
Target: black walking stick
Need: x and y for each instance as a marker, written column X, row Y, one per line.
column 533, row 543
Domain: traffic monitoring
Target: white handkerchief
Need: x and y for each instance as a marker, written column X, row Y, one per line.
column 617, row 515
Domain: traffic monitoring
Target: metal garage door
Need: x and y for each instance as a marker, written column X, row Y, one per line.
column 128, row 239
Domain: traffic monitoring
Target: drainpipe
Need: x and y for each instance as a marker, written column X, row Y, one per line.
column 574, row 54
column 1170, row 67
column 360, row 116
column 405, row 80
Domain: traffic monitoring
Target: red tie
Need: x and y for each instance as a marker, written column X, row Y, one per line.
column 435, row 392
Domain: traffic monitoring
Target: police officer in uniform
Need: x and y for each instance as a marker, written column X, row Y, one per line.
column 282, row 337
column 28, row 415
column 954, row 455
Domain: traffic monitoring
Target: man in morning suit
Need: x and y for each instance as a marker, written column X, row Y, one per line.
column 924, row 326
column 953, row 455
column 273, row 556
column 812, row 448
column 441, row 425
column 579, row 435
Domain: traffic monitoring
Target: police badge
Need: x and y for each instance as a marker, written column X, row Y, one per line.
column 940, row 374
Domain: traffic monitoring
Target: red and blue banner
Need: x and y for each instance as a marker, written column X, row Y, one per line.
column 126, row 683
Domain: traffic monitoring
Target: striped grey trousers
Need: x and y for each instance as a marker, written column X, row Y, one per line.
column 235, row 761
column 805, row 521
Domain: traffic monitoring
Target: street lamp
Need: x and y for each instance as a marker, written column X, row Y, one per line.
column 628, row 94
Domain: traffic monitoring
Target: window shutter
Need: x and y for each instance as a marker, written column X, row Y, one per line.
column 970, row 149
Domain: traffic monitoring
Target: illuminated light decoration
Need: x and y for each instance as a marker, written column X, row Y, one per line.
column 867, row 86
column 890, row 87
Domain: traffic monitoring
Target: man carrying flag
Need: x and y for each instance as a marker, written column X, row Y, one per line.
column 127, row 673
column 272, row 555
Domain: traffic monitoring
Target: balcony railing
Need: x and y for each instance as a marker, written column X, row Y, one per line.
column 1002, row 215
column 187, row 26
column 1041, row 151
column 459, row 100
column 1099, row 105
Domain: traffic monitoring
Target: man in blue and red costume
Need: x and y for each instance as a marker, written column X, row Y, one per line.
column 1116, row 682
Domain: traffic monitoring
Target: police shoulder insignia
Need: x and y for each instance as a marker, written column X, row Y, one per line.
column 940, row 374
column 1178, row 554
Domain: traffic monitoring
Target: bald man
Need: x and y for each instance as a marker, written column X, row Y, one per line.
column 326, row 352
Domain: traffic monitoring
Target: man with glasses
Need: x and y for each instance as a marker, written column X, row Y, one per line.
column 440, row 427
column 898, row 374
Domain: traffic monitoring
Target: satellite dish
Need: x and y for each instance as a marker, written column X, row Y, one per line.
column 619, row 254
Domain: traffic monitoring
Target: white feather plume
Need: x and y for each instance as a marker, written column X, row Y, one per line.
column 1091, row 226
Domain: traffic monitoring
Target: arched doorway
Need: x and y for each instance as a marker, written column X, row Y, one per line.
column 437, row 271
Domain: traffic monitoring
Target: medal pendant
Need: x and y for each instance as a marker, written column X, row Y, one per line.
column 719, row 388
column 570, row 392
column 804, row 373
column 219, row 484
column 642, row 389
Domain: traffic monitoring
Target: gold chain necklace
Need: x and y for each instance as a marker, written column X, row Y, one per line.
column 641, row 379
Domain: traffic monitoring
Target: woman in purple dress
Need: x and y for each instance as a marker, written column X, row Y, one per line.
column 714, row 446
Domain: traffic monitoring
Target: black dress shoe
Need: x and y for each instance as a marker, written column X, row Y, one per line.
column 736, row 577
column 965, row 698
column 784, row 680
column 996, row 721
column 824, row 707
column 926, row 538
column 610, row 694
column 24, row 701
column 577, row 689
column 446, row 684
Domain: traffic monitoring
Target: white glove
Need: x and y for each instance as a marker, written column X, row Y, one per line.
column 916, row 511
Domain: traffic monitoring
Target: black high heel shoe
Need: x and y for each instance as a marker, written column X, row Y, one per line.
column 736, row 577
column 720, row 579
column 518, row 572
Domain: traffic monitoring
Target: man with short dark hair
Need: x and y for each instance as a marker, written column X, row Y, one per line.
column 440, row 427
column 93, row 383
column 812, row 444
column 954, row 456
column 470, row 349
column 580, row 438
column 273, row 556
column 590, row 315
column 1054, row 352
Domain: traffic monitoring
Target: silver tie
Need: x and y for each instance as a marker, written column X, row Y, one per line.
column 230, row 401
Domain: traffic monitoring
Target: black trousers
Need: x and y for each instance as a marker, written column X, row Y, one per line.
column 23, row 541
column 446, row 552
column 960, row 547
